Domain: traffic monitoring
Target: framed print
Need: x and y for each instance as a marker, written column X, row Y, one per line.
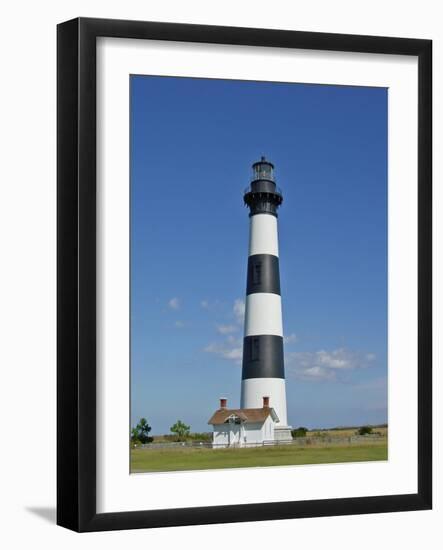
column 244, row 274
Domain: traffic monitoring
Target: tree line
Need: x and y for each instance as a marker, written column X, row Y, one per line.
column 179, row 432
column 182, row 432
column 302, row 431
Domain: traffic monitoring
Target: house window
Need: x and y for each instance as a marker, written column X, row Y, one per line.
column 255, row 349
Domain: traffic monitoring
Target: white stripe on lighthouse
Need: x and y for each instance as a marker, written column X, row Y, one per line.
column 263, row 314
column 263, row 237
column 254, row 389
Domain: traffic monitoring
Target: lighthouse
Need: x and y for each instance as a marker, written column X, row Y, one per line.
column 262, row 416
column 263, row 374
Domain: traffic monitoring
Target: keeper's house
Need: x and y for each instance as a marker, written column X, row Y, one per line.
column 243, row 427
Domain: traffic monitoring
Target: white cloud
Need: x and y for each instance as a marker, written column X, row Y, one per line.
column 174, row 303
column 231, row 349
column 211, row 305
column 290, row 338
column 226, row 329
column 235, row 354
column 179, row 324
column 239, row 310
column 317, row 373
column 325, row 365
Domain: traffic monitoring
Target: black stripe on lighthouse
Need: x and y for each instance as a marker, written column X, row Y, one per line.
column 263, row 357
column 263, row 274
column 263, row 353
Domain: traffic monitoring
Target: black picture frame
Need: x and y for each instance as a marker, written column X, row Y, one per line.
column 76, row 274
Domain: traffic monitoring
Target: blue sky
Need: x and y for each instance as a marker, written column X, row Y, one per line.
column 192, row 145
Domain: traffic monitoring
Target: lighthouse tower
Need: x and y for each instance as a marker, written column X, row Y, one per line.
column 263, row 374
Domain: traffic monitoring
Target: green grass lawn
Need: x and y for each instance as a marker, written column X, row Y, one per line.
column 165, row 460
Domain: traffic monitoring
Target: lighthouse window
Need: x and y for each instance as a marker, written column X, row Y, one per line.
column 263, row 171
column 256, row 274
column 255, row 349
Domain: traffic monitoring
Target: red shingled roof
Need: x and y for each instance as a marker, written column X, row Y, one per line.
column 246, row 415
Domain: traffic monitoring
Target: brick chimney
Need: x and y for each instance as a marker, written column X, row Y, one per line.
column 223, row 402
column 265, row 402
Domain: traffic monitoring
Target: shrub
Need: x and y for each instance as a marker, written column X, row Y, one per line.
column 181, row 430
column 299, row 432
column 139, row 434
column 205, row 436
column 365, row 430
